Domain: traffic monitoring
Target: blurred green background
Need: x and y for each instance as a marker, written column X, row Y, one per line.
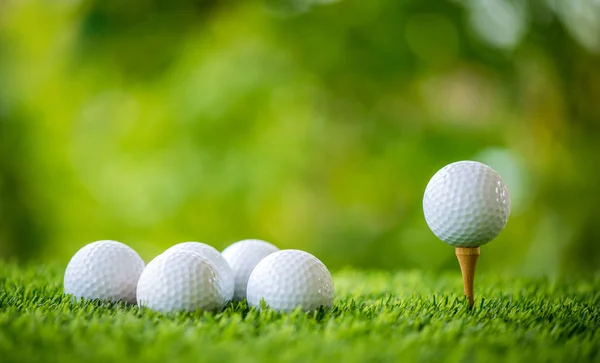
column 313, row 124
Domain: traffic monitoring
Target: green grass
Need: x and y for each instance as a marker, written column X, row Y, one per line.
column 378, row 316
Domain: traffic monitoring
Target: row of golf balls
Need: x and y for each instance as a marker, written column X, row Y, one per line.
column 193, row 276
column 466, row 204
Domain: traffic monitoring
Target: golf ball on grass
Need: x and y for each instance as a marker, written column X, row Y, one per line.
column 104, row 270
column 243, row 256
column 466, row 204
column 181, row 281
column 289, row 279
column 214, row 256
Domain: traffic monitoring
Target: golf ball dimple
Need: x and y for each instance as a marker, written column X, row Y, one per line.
column 243, row 256
column 466, row 204
column 289, row 279
column 181, row 281
column 105, row 270
column 214, row 256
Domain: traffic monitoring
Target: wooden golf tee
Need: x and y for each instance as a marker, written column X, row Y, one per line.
column 467, row 258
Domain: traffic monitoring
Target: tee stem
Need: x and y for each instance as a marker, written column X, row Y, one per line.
column 467, row 258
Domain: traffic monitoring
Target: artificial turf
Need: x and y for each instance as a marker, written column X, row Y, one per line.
column 378, row 316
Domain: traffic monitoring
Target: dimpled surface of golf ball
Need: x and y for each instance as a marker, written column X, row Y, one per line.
column 105, row 270
column 466, row 204
column 214, row 256
column 289, row 279
column 181, row 281
column 243, row 256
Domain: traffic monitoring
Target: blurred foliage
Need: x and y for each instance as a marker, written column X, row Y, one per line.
column 311, row 124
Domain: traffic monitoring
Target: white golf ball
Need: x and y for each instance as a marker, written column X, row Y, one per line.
column 105, row 270
column 181, row 281
column 243, row 256
column 466, row 204
column 214, row 256
column 289, row 279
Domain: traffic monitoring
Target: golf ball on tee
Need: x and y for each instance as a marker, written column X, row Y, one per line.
column 213, row 256
column 105, row 270
column 181, row 281
column 289, row 279
column 243, row 256
column 466, row 204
